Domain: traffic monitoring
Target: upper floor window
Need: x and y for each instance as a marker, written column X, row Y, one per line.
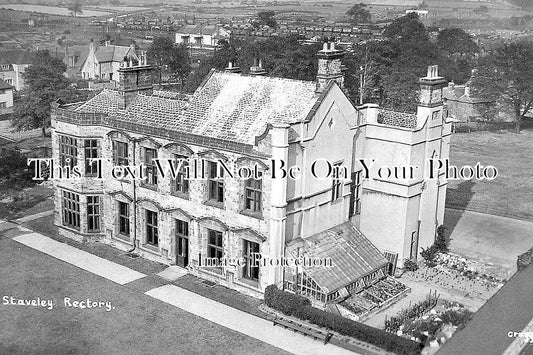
column 93, row 213
column 91, row 152
column 251, row 271
column 216, row 182
column 120, row 153
column 151, row 228
column 336, row 189
column 5, row 66
column 181, row 184
column 3, row 104
column 68, row 151
column 253, row 195
column 9, row 81
column 355, row 198
column 151, row 168
column 71, row 209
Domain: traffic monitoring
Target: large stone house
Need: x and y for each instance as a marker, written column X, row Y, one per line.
column 13, row 63
column 104, row 62
column 238, row 122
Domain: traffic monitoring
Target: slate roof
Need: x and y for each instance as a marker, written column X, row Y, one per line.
column 4, row 85
column 16, row 57
column 238, row 107
column 397, row 119
column 112, row 53
column 146, row 109
column 228, row 106
column 352, row 254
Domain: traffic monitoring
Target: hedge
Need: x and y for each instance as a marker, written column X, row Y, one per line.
column 295, row 305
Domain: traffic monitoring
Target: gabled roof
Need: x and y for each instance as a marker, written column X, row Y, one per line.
column 113, row 53
column 352, row 254
column 227, row 106
column 4, row 85
column 16, row 57
column 238, row 107
column 145, row 109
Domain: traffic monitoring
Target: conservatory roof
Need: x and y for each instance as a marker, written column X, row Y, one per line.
column 353, row 256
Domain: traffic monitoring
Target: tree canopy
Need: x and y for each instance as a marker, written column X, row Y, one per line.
column 76, row 7
column 45, row 83
column 456, row 41
column 507, row 75
column 170, row 61
column 390, row 68
column 282, row 57
column 359, row 13
column 407, row 28
column 265, row 18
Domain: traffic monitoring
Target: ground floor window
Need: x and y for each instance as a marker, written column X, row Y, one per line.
column 124, row 218
column 71, row 209
column 214, row 244
column 151, row 228
column 249, row 250
column 93, row 213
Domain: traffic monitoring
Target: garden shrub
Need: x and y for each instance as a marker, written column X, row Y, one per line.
column 410, row 265
column 442, row 241
column 429, row 254
column 457, row 318
column 300, row 307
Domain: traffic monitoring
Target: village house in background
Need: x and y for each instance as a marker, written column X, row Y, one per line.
column 12, row 66
column 103, row 62
column 6, row 98
column 201, row 37
column 74, row 57
column 366, row 226
column 466, row 105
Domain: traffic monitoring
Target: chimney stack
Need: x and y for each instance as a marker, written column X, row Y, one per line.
column 134, row 79
column 431, row 87
column 329, row 66
column 232, row 69
column 257, row 68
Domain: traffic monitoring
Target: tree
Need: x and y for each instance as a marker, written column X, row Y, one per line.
column 407, row 28
column 456, row 41
column 265, row 18
column 359, row 13
column 75, row 7
column 507, row 75
column 45, row 83
column 169, row 60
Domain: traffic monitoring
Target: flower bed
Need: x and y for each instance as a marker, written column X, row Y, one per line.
column 291, row 304
column 409, row 314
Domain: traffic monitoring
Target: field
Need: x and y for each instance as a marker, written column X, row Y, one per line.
column 511, row 193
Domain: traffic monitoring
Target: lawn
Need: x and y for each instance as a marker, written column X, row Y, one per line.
column 511, row 193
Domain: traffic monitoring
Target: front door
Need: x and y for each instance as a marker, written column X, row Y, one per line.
column 182, row 252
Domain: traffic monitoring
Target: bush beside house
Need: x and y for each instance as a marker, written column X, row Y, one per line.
column 300, row 307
